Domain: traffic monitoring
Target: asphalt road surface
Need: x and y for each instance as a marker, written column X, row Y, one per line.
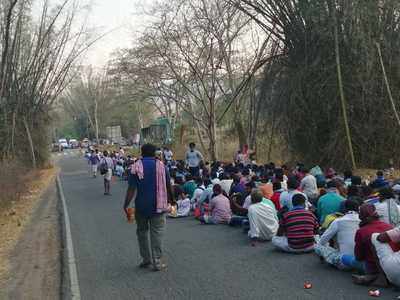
column 204, row 261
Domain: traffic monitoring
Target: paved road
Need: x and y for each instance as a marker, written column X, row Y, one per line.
column 204, row 262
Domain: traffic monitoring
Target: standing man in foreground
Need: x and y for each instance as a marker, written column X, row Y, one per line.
column 193, row 160
column 149, row 183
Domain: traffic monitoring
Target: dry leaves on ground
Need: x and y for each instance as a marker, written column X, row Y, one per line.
column 16, row 215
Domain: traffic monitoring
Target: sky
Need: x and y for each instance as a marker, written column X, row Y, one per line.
column 119, row 17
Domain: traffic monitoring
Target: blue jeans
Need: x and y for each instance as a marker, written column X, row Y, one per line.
column 237, row 220
column 341, row 261
column 351, row 262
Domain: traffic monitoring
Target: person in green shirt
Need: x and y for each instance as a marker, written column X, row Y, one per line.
column 329, row 203
column 190, row 186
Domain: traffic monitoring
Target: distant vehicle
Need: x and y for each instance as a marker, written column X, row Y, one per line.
column 73, row 143
column 63, row 144
column 123, row 142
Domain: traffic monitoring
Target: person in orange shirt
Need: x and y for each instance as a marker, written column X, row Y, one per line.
column 266, row 188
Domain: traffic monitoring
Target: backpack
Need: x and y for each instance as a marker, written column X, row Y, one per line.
column 103, row 168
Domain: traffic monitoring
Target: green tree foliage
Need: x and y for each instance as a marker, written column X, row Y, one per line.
column 308, row 102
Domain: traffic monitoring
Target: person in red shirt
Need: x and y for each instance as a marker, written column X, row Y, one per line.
column 364, row 250
column 277, row 188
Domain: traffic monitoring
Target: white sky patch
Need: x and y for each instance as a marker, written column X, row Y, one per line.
column 120, row 20
column 114, row 18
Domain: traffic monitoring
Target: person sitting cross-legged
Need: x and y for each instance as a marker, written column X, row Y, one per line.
column 220, row 209
column 329, row 203
column 263, row 218
column 364, row 250
column 389, row 260
column 343, row 231
column 298, row 226
column 182, row 208
column 387, row 208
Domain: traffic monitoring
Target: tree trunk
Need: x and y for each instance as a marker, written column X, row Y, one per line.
column 213, row 134
column 29, row 136
column 271, row 137
column 13, row 134
column 198, row 132
column 389, row 91
column 254, row 113
column 96, row 121
column 240, row 132
column 341, row 90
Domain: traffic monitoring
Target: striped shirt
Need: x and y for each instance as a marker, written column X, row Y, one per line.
column 300, row 226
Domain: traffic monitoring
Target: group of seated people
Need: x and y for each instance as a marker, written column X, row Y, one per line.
column 349, row 223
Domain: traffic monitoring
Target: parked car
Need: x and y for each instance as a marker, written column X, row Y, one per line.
column 63, row 144
column 73, row 143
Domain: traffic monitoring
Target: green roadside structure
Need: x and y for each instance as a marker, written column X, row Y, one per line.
column 158, row 133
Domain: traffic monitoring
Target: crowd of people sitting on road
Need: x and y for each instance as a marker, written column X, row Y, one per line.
column 351, row 223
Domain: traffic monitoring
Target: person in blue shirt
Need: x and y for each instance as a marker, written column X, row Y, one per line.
column 330, row 202
column 380, row 181
column 149, row 221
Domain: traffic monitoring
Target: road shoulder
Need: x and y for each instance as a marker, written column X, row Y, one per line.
column 34, row 266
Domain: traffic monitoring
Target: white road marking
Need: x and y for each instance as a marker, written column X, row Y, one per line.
column 73, row 274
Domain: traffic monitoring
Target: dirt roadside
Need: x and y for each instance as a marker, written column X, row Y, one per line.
column 30, row 257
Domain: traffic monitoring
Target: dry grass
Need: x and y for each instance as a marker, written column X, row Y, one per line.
column 18, row 200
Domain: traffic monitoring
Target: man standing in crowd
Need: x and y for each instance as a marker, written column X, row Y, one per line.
column 93, row 162
column 168, row 156
column 107, row 164
column 193, row 160
column 149, row 183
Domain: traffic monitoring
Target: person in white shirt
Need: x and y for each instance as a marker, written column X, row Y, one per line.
column 109, row 165
column 388, row 259
column 183, row 207
column 193, row 160
column 343, row 231
column 226, row 183
column 168, row 155
column 285, row 198
column 197, row 192
column 263, row 218
column 387, row 208
column 309, row 186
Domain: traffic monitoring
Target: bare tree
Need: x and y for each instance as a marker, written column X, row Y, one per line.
column 36, row 61
column 200, row 56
